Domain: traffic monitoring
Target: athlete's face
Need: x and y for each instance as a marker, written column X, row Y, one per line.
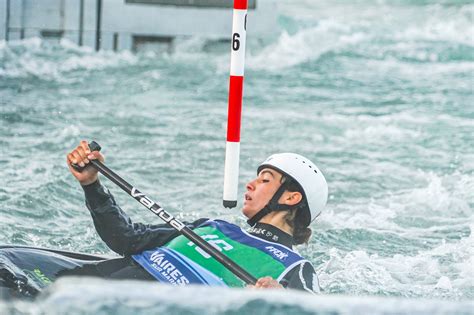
column 260, row 191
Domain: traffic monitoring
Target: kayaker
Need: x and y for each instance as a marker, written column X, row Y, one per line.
column 288, row 193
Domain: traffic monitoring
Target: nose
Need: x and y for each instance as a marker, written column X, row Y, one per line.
column 250, row 185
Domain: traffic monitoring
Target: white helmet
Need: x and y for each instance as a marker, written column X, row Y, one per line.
column 306, row 174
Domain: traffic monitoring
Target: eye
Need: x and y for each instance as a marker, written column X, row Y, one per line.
column 265, row 180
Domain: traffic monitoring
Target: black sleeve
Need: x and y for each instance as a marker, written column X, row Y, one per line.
column 302, row 277
column 116, row 228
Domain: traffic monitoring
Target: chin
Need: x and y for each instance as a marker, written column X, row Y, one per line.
column 247, row 212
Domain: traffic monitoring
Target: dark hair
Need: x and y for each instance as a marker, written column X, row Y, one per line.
column 298, row 218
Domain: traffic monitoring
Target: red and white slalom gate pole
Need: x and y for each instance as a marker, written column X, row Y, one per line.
column 232, row 152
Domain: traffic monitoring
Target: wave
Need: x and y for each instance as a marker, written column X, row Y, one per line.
column 38, row 59
column 414, row 34
column 444, row 271
column 94, row 296
column 446, row 200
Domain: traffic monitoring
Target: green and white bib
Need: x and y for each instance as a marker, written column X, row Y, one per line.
column 181, row 262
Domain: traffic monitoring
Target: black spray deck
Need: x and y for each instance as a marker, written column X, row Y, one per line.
column 25, row 271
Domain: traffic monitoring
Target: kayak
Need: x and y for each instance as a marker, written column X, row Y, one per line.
column 25, row 271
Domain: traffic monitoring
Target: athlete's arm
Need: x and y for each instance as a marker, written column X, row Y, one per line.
column 116, row 228
column 113, row 225
column 302, row 277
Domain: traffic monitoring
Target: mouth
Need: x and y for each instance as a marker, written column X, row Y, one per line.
column 247, row 197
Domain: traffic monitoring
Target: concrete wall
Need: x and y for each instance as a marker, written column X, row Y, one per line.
column 29, row 18
column 3, row 16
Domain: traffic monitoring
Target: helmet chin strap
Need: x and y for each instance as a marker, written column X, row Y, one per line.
column 272, row 205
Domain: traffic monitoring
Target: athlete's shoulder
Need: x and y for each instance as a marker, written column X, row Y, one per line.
column 219, row 222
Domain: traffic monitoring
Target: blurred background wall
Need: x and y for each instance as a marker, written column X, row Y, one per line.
column 126, row 24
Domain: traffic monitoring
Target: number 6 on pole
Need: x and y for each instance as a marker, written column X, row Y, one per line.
column 237, row 60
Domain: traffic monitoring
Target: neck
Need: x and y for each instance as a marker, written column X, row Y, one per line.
column 277, row 219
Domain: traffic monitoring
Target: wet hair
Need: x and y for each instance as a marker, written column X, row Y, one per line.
column 298, row 218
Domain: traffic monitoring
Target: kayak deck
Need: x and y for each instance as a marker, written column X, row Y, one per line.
column 25, row 270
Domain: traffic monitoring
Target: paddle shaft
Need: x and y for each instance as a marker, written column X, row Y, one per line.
column 172, row 221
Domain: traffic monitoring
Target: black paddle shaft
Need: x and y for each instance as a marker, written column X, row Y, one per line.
column 167, row 217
